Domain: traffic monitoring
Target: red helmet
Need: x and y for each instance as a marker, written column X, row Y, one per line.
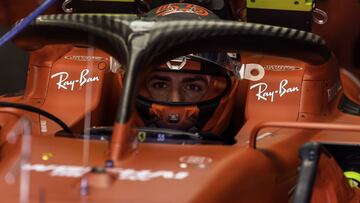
column 192, row 93
column 220, row 7
column 180, row 11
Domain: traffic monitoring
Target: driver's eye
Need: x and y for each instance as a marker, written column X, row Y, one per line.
column 193, row 87
column 159, row 85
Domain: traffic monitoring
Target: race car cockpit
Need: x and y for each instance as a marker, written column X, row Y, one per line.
column 75, row 86
column 80, row 79
column 156, row 105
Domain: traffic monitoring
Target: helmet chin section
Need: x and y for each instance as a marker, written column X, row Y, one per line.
column 174, row 117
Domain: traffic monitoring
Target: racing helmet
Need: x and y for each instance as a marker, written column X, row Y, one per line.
column 192, row 93
column 180, row 11
column 220, row 7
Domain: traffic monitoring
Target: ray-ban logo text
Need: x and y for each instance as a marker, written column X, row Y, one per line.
column 264, row 94
column 64, row 83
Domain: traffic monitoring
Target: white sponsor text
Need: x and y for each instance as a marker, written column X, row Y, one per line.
column 264, row 94
column 64, row 83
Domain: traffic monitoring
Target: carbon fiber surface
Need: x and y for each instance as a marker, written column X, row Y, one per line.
column 171, row 35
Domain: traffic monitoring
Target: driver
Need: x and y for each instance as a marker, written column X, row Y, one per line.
column 192, row 93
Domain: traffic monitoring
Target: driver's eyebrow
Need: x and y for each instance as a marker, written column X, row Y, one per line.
column 194, row 79
column 158, row 77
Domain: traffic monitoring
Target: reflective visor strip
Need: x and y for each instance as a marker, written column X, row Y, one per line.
column 353, row 178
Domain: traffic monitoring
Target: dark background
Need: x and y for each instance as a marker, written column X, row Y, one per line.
column 13, row 67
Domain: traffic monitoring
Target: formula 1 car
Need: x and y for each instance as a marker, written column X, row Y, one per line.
column 55, row 138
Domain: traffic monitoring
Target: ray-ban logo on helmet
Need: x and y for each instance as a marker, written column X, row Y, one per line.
column 176, row 64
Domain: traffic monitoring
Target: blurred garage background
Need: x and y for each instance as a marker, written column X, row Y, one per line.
column 13, row 68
